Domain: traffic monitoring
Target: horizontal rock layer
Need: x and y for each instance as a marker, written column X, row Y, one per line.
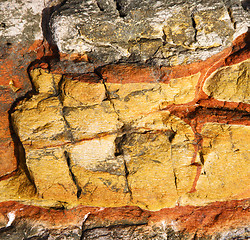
column 160, row 32
column 225, row 220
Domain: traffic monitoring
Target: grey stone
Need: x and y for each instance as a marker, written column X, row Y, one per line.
column 159, row 32
column 21, row 20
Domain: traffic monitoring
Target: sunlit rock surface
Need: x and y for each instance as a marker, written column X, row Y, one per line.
column 124, row 119
column 230, row 83
column 160, row 32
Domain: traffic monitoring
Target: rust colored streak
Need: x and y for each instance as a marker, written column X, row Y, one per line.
column 180, row 71
column 198, row 173
column 214, row 103
column 198, row 140
column 88, row 78
column 197, row 117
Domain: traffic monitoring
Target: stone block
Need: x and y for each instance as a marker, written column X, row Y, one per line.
column 225, row 173
column 80, row 93
column 88, row 122
column 230, row 83
column 51, row 173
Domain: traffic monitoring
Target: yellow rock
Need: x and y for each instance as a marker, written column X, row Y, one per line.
column 88, row 122
column 44, row 81
column 98, row 154
column 51, row 174
column 39, row 123
column 230, row 83
column 101, row 188
column 225, row 173
column 81, row 150
column 78, row 93
column 132, row 100
column 180, row 90
column 124, row 150
column 17, row 188
column 158, row 161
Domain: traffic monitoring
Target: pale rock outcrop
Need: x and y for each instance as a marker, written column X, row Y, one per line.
column 230, row 83
column 160, row 32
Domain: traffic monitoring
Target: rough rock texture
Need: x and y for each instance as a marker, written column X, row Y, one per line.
column 110, row 109
column 225, row 141
column 162, row 32
column 235, row 78
column 22, row 26
column 224, row 220
column 94, row 149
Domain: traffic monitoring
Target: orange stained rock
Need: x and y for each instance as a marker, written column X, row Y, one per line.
column 130, row 73
column 8, row 162
column 216, row 217
column 196, row 112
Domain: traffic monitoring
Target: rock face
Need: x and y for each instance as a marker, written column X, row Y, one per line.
column 235, row 78
column 114, row 144
column 165, row 33
column 126, row 222
column 224, row 141
column 124, row 119
column 101, row 147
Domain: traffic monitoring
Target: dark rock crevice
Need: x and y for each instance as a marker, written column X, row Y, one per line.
column 68, row 131
column 120, row 8
column 194, row 26
column 74, row 178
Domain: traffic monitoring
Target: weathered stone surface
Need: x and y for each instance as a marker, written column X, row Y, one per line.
column 50, row 171
column 16, row 188
column 112, row 141
column 38, row 121
column 97, row 155
column 225, row 170
column 99, row 173
column 132, row 100
column 83, row 93
column 170, row 32
column 44, row 82
column 42, row 122
column 179, row 29
column 101, row 188
column 100, row 162
column 221, row 220
column 20, row 32
column 20, row 20
column 159, row 156
column 230, row 83
column 91, row 121
column 139, row 131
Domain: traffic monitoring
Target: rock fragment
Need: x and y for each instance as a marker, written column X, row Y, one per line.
column 230, row 83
